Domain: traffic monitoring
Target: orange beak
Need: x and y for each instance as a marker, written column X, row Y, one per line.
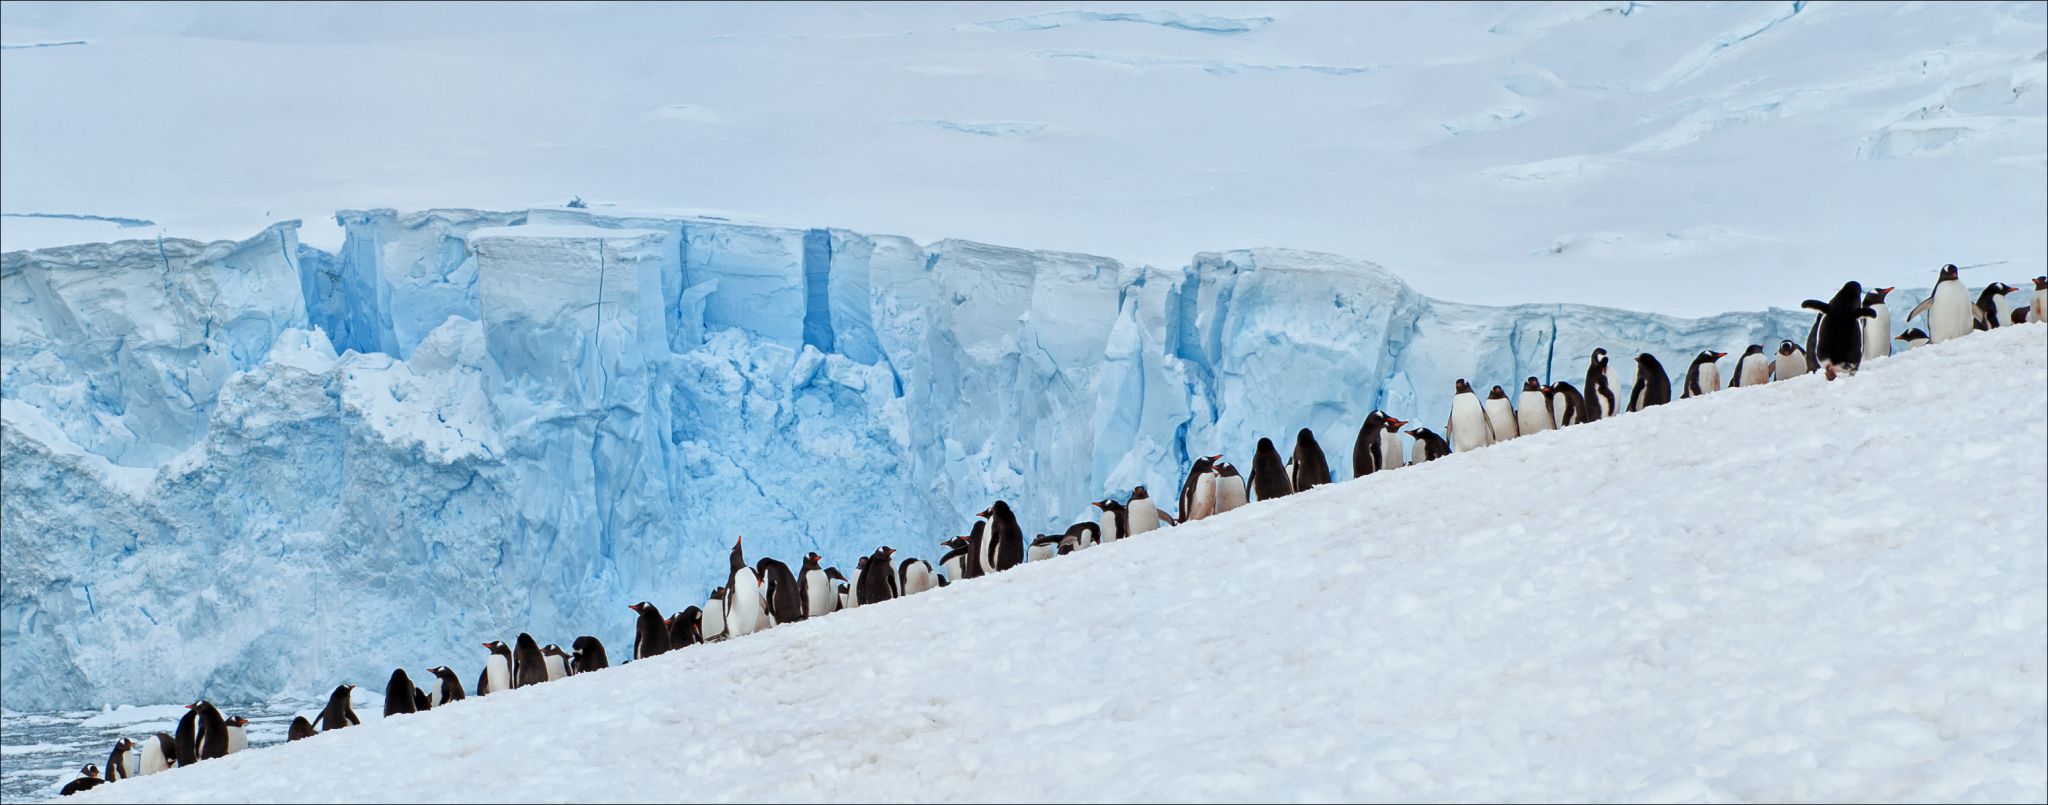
column 984, row 512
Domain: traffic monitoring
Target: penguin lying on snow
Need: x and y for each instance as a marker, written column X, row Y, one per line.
column 88, row 777
column 685, row 628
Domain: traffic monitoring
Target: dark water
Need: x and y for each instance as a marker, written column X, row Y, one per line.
column 40, row 752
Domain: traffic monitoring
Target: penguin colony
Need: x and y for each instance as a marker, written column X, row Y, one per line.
column 1848, row 329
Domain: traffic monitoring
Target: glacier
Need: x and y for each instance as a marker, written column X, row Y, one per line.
column 247, row 468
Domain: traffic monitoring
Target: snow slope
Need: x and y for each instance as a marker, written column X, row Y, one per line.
column 1800, row 592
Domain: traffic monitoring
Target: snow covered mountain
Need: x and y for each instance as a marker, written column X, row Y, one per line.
column 1733, row 598
column 242, row 468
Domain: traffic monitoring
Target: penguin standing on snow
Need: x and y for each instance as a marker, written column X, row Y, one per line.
column 1532, row 410
column 1704, row 375
column 954, row 560
column 1428, row 445
column 1567, row 406
column 1043, row 547
column 1653, row 386
column 1600, row 400
column 238, row 734
column 1191, row 492
column 1992, row 308
column 714, row 616
column 1269, row 476
column 1500, row 415
column 1948, row 310
column 785, row 601
column 202, row 733
column 1752, row 369
column 1230, row 488
column 746, row 610
column 1115, row 519
column 1393, row 452
column 587, row 655
column 976, row 563
column 340, row 711
column 1142, row 514
column 1875, row 343
column 1365, row 450
column 555, row 660
column 398, row 698
column 117, row 761
column 187, row 737
column 1080, row 535
column 877, row 579
column 2037, row 309
column 529, row 666
column 1790, row 363
column 1468, row 426
column 497, row 677
column 1005, row 538
column 650, row 632
column 1838, row 345
column 814, row 588
column 685, row 628
column 300, row 729
column 1310, row 468
column 447, row 688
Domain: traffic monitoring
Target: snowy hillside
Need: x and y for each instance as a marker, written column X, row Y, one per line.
column 1800, row 592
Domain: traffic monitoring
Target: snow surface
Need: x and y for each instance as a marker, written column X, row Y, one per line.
column 1688, row 158
column 1621, row 611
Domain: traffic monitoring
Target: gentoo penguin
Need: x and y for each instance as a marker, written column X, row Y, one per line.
column 714, row 616
column 976, row 563
column 1468, row 426
column 160, row 751
column 555, row 660
column 1081, row 534
column 187, row 736
column 587, row 655
column 1500, row 415
column 1839, row 343
column 88, row 778
column 1393, row 452
column 1790, row 363
column 1532, row 409
column 876, row 579
column 340, row 712
column 954, row 561
column 1567, row 406
column 746, row 610
column 1269, row 476
column 213, row 730
column 785, row 601
column 1914, row 337
column 1600, row 400
column 497, row 676
column 1365, row 450
column 814, row 587
column 1005, row 538
column 447, row 688
column 1704, row 375
column 686, row 628
column 301, row 728
column 117, row 761
column 398, row 698
column 1309, row 468
column 915, row 576
column 1752, row 369
column 1948, row 310
column 1043, row 547
column 1115, row 519
column 529, row 666
column 1142, row 514
column 1994, row 309
column 238, row 734
column 1190, row 490
column 1875, row 343
column 420, row 703
column 846, row 595
column 1653, row 385
column 650, row 633
column 1812, row 334
column 1230, row 489
column 2037, row 309
column 1428, row 445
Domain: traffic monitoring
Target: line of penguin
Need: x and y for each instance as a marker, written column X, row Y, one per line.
column 1848, row 329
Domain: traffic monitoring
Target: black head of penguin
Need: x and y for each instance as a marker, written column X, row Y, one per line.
column 650, row 631
column 1465, row 388
column 1531, row 385
column 1139, row 493
column 811, row 561
column 529, row 667
column 1600, row 358
column 1948, row 272
column 1497, row 393
column 398, row 695
column 1876, row 296
column 589, row 654
column 2041, row 283
column 739, row 559
column 1787, row 348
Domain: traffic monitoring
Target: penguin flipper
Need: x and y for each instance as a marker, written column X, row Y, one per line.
column 1867, row 312
column 1815, row 305
column 1977, row 316
column 352, row 720
column 1924, row 306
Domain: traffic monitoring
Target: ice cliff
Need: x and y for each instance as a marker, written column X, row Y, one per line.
column 240, row 468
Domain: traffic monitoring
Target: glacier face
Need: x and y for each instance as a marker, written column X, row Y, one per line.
column 245, row 468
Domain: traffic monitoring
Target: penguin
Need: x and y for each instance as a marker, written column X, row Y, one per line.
column 815, row 588
column 1500, row 415
column 340, row 712
column 915, row 576
column 497, row 676
column 976, row 563
column 160, row 751
column 555, row 661
column 1269, row 477
column 1812, row 334
column 238, row 734
column 2037, row 309
column 117, row 760
column 1839, row 344
column 420, row 702
column 1875, row 343
column 1704, row 375
column 746, row 609
column 301, row 728
column 1428, row 445
column 686, row 628
column 876, row 581
column 1752, row 369
column 447, row 688
column 785, row 601
column 1994, row 311
column 1005, row 537
column 587, row 655
column 1230, row 489
column 2019, row 315
column 398, row 698
column 954, row 562
column 1115, row 518
column 1948, row 310
column 1914, row 338
column 1204, row 499
column 1600, row 401
column 1142, row 514
column 1567, row 406
column 846, row 600
column 213, row 730
column 88, row 778
column 1043, row 547
column 529, row 666
column 1653, row 385
column 1190, row 490
column 714, row 616
column 1468, row 426
column 1393, row 452
column 1082, row 534
column 1309, row 467
column 1790, row 363
column 187, row 736
column 1532, row 409
column 1365, row 450
column 650, row 633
